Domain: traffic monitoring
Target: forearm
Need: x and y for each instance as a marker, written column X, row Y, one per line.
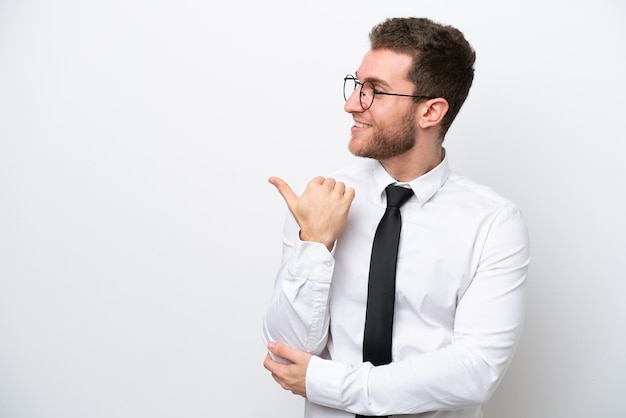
column 298, row 314
column 450, row 378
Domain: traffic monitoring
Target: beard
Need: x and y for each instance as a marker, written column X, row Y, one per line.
column 389, row 141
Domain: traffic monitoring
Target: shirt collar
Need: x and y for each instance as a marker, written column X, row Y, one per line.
column 424, row 186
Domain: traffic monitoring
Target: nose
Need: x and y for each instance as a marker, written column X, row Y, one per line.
column 353, row 104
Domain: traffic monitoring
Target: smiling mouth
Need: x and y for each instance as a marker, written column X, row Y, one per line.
column 361, row 125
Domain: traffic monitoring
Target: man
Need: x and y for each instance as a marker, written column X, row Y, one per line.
column 462, row 259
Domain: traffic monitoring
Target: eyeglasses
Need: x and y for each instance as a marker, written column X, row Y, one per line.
column 368, row 92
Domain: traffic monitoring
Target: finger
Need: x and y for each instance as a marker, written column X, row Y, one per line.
column 267, row 363
column 330, row 183
column 315, row 183
column 283, row 351
column 276, row 368
column 340, row 188
column 285, row 191
column 317, row 180
column 276, row 379
column 349, row 194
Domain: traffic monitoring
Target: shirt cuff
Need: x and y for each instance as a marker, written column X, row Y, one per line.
column 313, row 261
column 336, row 385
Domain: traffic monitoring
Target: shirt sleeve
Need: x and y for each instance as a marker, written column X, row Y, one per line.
column 298, row 313
column 488, row 324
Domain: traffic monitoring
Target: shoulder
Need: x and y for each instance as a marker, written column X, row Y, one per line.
column 475, row 196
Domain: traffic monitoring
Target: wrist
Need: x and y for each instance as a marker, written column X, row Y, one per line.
column 328, row 242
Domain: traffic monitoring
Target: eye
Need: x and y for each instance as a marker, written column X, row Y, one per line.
column 367, row 90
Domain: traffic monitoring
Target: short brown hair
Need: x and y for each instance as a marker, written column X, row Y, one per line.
column 443, row 60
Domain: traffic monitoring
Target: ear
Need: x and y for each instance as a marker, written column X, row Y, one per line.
column 432, row 112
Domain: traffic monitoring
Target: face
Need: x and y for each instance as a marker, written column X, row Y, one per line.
column 388, row 128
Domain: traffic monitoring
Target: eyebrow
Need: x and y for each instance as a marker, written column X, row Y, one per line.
column 374, row 80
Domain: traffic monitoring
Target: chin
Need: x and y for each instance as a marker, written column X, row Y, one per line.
column 356, row 151
column 360, row 153
column 357, row 147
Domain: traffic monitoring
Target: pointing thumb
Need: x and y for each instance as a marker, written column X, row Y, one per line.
column 285, row 191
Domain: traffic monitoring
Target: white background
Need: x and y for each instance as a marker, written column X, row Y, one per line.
column 139, row 237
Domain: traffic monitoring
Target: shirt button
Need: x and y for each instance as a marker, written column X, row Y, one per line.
column 328, row 263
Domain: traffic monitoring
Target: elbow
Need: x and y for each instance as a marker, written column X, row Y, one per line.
column 481, row 381
column 486, row 383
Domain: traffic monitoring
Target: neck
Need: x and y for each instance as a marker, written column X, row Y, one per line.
column 414, row 163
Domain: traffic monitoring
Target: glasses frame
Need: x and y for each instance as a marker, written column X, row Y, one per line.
column 374, row 91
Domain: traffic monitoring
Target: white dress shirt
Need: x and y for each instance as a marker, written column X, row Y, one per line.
column 459, row 309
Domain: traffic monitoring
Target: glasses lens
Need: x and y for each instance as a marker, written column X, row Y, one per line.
column 367, row 95
column 349, row 85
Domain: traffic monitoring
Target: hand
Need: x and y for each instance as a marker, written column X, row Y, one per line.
column 321, row 211
column 289, row 376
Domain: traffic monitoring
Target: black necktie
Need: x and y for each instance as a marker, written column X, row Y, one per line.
column 382, row 280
